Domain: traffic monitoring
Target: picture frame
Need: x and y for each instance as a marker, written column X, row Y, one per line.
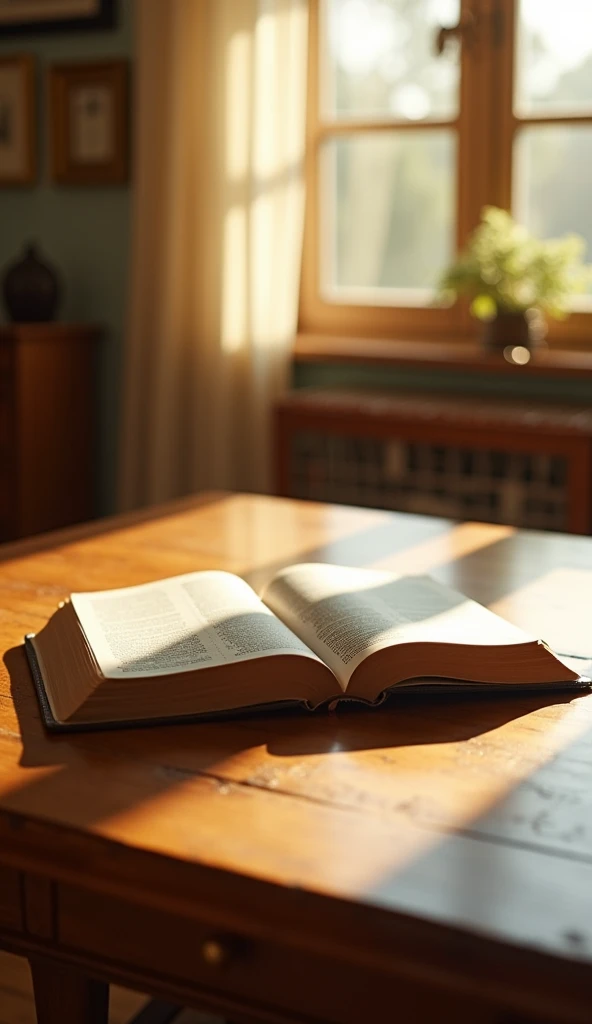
column 88, row 123
column 17, row 120
column 20, row 17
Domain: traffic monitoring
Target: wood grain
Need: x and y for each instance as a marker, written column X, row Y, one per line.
column 447, row 843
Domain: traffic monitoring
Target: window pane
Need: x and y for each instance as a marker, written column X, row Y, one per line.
column 378, row 59
column 388, row 215
column 554, row 56
column 552, row 180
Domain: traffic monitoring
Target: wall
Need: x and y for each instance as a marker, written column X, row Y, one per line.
column 83, row 231
column 518, row 385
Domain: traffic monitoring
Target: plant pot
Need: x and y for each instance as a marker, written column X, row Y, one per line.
column 526, row 330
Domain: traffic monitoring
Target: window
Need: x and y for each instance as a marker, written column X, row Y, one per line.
column 407, row 144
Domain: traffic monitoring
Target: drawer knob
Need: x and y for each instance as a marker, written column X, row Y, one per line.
column 215, row 952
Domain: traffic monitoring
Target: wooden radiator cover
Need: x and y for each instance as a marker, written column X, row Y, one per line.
column 521, row 463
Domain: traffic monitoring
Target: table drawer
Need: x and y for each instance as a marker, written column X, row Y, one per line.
column 250, row 972
column 10, row 900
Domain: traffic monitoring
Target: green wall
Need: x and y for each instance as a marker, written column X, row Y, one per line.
column 83, row 231
column 517, row 385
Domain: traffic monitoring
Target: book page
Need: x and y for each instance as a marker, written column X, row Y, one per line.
column 345, row 614
column 180, row 624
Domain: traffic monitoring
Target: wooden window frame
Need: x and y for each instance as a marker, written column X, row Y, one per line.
column 576, row 331
column 486, row 126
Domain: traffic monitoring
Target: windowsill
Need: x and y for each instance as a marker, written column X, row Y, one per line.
column 438, row 355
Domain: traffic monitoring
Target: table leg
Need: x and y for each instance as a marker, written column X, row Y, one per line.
column 64, row 996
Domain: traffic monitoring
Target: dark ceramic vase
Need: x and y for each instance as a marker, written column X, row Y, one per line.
column 31, row 289
column 526, row 330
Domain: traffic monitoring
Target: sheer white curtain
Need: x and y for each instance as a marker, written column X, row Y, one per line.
column 217, row 235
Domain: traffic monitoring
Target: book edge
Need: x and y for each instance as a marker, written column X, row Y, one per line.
column 54, row 726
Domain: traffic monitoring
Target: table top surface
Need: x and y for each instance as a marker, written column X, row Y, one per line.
column 474, row 813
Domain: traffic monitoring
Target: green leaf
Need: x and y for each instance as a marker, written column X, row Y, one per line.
column 483, row 307
column 505, row 267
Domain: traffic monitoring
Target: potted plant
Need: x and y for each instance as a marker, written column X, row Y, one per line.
column 514, row 280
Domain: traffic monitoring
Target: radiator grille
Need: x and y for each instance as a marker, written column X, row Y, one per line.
column 527, row 489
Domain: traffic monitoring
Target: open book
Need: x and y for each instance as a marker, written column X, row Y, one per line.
column 205, row 643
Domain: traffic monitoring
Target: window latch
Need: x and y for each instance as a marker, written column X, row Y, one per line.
column 464, row 31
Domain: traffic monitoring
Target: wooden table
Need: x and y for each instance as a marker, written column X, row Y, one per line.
column 428, row 862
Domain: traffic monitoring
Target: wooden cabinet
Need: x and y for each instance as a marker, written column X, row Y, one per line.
column 47, row 414
column 519, row 462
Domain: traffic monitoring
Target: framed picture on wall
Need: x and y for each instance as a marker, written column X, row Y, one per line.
column 19, row 17
column 88, row 123
column 17, row 120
